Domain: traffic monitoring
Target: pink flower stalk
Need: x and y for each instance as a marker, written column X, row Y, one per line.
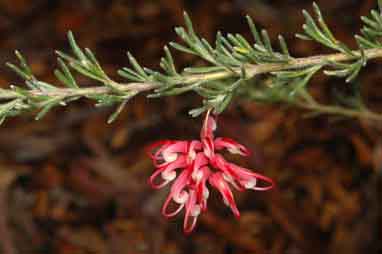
column 191, row 164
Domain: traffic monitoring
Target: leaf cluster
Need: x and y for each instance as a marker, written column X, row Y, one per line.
column 232, row 62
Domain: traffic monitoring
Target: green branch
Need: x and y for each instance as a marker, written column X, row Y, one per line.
column 233, row 63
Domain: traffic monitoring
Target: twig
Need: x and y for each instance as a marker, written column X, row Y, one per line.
column 232, row 61
column 251, row 70
column 328, row 109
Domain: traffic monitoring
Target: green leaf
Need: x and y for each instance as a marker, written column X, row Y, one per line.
column 47, row 106
column 176, row 90
column 300, row 83
column 283, row 46
column 117, row 112
column 43, row 86
column 303, row 37
column 254, row 31
column 168, row 62
column 65, row 76
column 76, row 49
column 223, row 41
column 292, row 74
column 6, row 108
column 66, row 56
column 131, row 75
column 24, row 70
column 182, row 48
column 87, row 72
column 376, row 16
column 350, row 71
column 138, row 68
column 312, row 30
column 370, row 22
column 23, row 63
column 267, row 41
column 364, row 43
column 18, row 71
column 189, row 26
column 224, row 104
column 321, row 32
column 198, row 111
column 322, row 23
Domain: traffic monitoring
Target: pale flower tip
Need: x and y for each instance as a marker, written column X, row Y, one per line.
column 250, row 184
column 166, row 205
column 206, row 193
column 196, row 211
column 191, row 156
column 189, row 227
column 168, row 176
column 153, row 178
column 197, row 175
column 235, row 150
column 269, row 181
column 181, row 198
column 170, row 157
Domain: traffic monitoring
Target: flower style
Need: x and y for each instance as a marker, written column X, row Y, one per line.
column 190, row 165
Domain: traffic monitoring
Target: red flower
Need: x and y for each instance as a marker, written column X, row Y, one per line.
column 191, row 164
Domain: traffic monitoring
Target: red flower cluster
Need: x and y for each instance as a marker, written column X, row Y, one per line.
column 191, row 164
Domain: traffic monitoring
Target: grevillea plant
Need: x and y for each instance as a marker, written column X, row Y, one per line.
column 232, row 64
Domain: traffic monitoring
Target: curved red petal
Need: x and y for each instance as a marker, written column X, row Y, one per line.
column 217, row 181
column 265, row 188
column 153, row 177
column 180, row 183
column 245, row 174
column 177, row 147
column 190, row 206
column 194, row 145
column 179, row 163
column 165, row 207
column 166, row 147
column 231, row 145
column 202, row 192
column 200, row 161
column 154, row 145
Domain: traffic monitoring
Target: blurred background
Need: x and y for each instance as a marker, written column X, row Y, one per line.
column 72, row 184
